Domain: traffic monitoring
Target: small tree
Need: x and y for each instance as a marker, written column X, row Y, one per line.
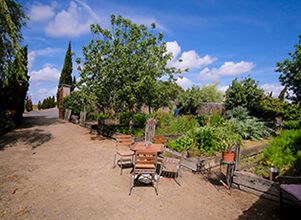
column 244, row 93
column 125, row 65
column 189, row 100
column 291, row 73
column 66, row 74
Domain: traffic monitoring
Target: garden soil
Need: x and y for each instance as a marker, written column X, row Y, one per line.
column 52, row 169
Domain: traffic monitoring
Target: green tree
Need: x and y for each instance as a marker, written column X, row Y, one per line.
column 282, row 94
column 291, row 73
column 66, row 74
column 188, row 101
column 123, row 66
column 12, row 19
column 211, row 93
column 244, row 93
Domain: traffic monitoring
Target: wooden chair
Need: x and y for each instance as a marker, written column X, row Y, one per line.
column 289, row 188
column 159, row 139
column 145, row 163
column 123, row 140
column 173, row 162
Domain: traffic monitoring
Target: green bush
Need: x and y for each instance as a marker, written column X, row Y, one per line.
column 246, row 126
column 75, row 102
column 96, row 116
column 216, row 120
column 202, row 120
column 179, row 143
column 292, row 125
column 284, row 153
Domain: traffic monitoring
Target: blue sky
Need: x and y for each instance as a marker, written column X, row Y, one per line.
column 218, row 40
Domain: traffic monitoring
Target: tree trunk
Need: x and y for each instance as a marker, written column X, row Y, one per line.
column 131, row 124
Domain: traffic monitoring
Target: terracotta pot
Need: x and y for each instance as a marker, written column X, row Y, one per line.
column 228, row 156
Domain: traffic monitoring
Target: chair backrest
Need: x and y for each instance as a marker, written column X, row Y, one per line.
column 145, row 160
column 123, row 140
column 159, row 139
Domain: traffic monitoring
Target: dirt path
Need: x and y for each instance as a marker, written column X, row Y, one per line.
column 51, row 169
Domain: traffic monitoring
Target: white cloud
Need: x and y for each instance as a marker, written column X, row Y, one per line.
column 44, row 52
column 227, row 69
column 69, row 23
column 31, row 58
column 88, row 8
column 184, row 82
column 49, row 51
column 174, row 48
column 276, row 88
column 41, row 12
column 189, row 59
column 43, row 93
column 223, row 89
column 46, row 74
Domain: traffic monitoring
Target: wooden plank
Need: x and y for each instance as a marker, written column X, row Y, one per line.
column 255, row 182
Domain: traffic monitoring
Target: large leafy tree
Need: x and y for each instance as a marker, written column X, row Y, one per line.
column 122, row 67
column 291, row 73
column 244, row 93
column 12, row 19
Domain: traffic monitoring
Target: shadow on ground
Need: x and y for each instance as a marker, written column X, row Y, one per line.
column 34, row 138
column 262, row 209
column 29, row 122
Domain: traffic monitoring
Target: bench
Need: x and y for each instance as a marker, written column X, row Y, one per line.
column 289, row 188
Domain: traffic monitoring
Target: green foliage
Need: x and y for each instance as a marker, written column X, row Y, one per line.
column 28, row 104
column 139, row 119
column 189, row 101
column 96, row 116
column 12, row 19
column 75, row 102
column 39, row 105
column 6, row 121
column 292, row 125
column 284, row 153
column 211, row 92
column 47, row 103
column 216, row 120
column 291, row 112
column 244, row 93
column 168, row 124
column 179, row 143
column 246, row 126
column 202, row 120
column 66, row 73
column 291, row 73
column 66, row 77
column 124, row 67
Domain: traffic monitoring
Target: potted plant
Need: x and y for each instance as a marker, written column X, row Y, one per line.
column 229, row 154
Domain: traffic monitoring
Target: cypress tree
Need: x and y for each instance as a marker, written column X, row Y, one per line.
column 66, row 77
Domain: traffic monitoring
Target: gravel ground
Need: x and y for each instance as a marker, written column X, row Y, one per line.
column 52, row 169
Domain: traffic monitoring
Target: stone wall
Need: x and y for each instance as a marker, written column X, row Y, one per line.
column 207, row 109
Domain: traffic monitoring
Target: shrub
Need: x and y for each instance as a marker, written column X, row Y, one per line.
column 284, row 153
column 96, row 116
column 75, row 102
column 246, row 126
column 292, row 125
